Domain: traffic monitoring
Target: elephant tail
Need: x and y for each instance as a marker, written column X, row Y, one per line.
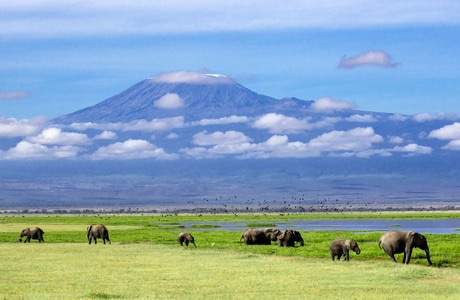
column 380, row 244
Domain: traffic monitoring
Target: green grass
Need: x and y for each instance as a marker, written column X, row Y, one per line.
column 146, row 262
column 147, row 270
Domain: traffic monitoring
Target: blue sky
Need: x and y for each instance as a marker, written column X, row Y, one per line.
column 388, row 56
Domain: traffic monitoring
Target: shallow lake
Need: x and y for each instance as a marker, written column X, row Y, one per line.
column 438, row 226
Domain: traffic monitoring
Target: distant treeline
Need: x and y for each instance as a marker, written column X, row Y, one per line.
column 213, row 210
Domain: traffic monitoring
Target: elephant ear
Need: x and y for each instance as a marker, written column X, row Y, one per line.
column 412, row 236
column 281, row 236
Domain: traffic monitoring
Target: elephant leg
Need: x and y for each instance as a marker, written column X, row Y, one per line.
column 393, row 258
column 339, row 256
column 407, row 256
column 346, row 255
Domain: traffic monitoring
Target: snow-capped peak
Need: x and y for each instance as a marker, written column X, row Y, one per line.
column 192, row 77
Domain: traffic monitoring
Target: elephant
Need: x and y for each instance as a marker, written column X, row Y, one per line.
column 97, row 231
column 395, row 241
column 254, row 236
column 32, row 233
column 185, row 237
column 341, row 247
column 288, row 238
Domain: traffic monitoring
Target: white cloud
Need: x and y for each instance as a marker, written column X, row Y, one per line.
column 169, row 101
column 448, row 132
column 88, row 125
column 424, row 117
column 453, row 145
column 398, row 117
column 224, row 120
column 413, row 149
column 278, row 123
column 275, row 146
column 152, row 17
column 11, row 127
column 220, row 138
column 276, row 140
column 374, row 58
column 162, row 124
column 355, row 142
column 28, row 150
column 192, row 77
column 172, row 136
column 396, row 139
column 57, row 137
column 356, row 139
column 361, row 118
column 154, row 125
column 13, row 95
column 131, row 149
column 327, row 104
column 106, row 135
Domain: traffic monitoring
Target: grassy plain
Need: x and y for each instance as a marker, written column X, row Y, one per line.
column 145, row 261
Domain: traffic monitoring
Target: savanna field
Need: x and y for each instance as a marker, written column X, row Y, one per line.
column 145, row 260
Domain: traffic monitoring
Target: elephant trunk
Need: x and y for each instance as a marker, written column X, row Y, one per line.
column 427, row 251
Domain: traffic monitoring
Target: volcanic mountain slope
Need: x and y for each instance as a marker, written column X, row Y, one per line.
column 192, row 95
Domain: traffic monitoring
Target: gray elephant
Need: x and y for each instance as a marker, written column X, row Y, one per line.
column 186, row 238
column 288, row 238
column 395, row 241
column 341, row 247
column 97, row 232
column 34, row 233
column 254, row 236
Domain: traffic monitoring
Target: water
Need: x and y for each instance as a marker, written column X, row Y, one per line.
column 436, row 226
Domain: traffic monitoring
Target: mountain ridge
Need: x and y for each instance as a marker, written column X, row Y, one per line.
column 199, row 100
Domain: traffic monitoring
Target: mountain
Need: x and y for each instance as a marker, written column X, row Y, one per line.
column 192, row 141
column 208, row 96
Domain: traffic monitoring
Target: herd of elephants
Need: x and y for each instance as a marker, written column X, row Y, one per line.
column 392, row 242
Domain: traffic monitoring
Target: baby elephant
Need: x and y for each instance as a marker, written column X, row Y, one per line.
column 341, row 247
column 186, row 238
column 32, row 233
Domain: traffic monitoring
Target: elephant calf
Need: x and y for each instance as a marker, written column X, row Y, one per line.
column 288, row 238
column 186, row 238
column 395, row 241
column 32, row 233
column 341, row 247
column 97, row 232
